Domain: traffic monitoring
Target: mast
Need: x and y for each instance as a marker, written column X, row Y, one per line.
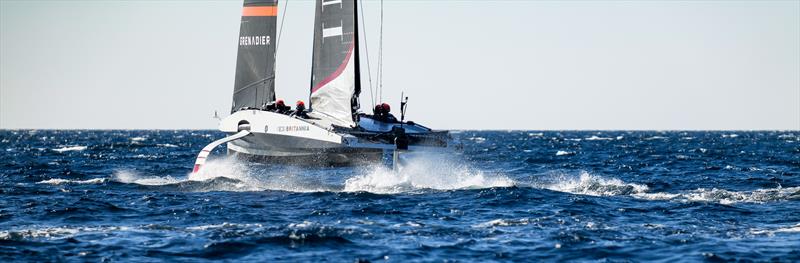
column 354, row 103
column 254, row 85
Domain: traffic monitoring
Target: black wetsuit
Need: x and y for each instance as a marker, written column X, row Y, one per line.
column 283, row 109
column 385, row 117
column 301, row 114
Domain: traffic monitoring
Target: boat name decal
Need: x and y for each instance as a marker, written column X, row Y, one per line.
column 293, row 128
column 254, row 40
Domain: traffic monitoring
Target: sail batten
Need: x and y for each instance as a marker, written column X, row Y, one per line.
column 334, row 81
column 255, row 63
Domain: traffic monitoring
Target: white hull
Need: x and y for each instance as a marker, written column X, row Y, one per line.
column 274, row 137
column 278, row 137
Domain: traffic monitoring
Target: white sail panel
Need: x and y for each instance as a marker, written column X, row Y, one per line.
column 335, row 69
column 332, row 97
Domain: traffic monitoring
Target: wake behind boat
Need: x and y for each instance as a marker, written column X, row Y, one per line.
column 333, row 130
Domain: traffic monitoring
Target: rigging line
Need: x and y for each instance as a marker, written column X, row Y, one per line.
column 280, row 31
column 277, row 44
column 380, row 57
column 366, row 49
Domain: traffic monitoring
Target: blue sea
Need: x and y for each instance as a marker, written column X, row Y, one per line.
column 92, row 195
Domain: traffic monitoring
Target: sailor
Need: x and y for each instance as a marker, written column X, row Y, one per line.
column 377, row 111
column 386, row 116
column 269, row 106
column 300, row 110
column 280, row 107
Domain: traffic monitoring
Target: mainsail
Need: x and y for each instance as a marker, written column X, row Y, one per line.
column 334, row 77
column 255, row 64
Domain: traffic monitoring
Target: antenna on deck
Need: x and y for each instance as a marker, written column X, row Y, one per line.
column 216, row 116
column 403, row 103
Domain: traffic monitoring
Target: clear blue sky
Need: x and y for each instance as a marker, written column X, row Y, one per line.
column 465, row 64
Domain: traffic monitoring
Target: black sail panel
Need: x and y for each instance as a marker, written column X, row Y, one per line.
column 334, row 86
column 255, row 62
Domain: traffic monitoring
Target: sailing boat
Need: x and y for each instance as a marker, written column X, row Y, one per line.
column 334, row 131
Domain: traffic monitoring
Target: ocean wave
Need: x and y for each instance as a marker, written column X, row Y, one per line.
column 255, row 179
column 503, row 222
column 726, row 197
column 560, row 153
column 587, row 184
column 225, row 174
column 596, row 138
column 63, row 232
column 57, row 232
column 222, row 226
column 477, row 139
column 301, row 232
column 424, row 172
column 772, row 232
column 57, row 181
column 130, row 177
column 70, row 148
column 167, row 145
column 145, row 156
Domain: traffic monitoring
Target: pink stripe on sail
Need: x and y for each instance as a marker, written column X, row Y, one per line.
column 337, row 72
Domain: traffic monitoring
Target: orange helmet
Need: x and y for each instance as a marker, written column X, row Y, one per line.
column 385, row 107
column 280, row 103
column 300, row 102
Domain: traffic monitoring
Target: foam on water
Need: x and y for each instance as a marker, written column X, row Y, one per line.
column 503, row 222
column 772, row 232
column 424, row 172
column 477, row 139
column 258, row 179
column 57, row 181
column 725, row 197
column 131, row 177
column 237, row 177
column 57, row 232
column 222, row 225
column 587, row 184
column 63, row 232
column 560, row 153
column 228, row 167
column 418, row 173
column 596, row 138
column 70, row 148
